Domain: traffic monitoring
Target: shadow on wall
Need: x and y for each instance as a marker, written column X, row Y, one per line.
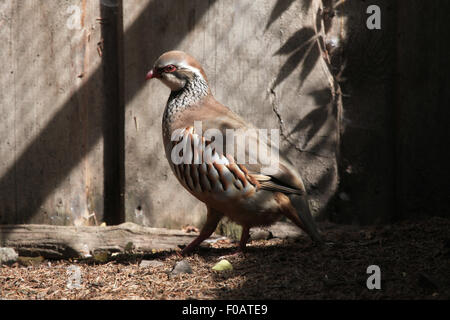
column 363, row 63
column 365, row 66
column 304, row 49
column 62, row 156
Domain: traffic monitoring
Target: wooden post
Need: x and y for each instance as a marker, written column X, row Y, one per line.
column 113, row 120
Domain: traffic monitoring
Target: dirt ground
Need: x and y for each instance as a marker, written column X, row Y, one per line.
column 414, row 259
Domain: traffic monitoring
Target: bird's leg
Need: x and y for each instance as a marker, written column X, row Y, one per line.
column 307, row 225
column 212, row 219
column 242, row 244
column 244, row 238
column 295, row 219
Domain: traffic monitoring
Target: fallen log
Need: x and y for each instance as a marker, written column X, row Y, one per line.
column 63, row 242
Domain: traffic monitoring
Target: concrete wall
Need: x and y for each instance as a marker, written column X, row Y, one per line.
column 259, row 63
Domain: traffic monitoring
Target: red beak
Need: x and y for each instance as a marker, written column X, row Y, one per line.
column 152, row 74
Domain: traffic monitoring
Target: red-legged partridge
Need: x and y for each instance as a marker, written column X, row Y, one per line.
column 250, row 192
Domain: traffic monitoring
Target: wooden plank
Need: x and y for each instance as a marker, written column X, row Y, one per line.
column 7, row 113
column 113, row 120
column 422, row 101
column 58, row 242
column 52, row 170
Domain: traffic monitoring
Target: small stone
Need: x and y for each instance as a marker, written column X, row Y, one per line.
column 213, row 241
column 84, row 252
column 260, row 234
column 41, row 296
column 8, row 256
column 181, row 267
column 223, row 265
column 151, row 264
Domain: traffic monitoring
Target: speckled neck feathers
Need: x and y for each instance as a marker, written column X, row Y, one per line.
column 195, row 89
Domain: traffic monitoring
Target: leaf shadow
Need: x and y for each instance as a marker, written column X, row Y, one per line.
column 313, row 122
column 280, row 7
column 303, row 49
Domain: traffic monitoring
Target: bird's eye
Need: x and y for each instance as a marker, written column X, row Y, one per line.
column 170, row 68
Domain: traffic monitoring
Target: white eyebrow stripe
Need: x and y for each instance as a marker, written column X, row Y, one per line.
column 191, row 68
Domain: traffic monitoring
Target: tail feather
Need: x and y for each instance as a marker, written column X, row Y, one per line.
column 301, row 205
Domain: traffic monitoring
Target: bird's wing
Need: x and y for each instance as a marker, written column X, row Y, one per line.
column 265, row 164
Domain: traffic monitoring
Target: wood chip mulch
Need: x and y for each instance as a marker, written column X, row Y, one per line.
column 414, row 259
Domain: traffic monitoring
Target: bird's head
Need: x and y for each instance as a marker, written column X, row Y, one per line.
column 176, row 69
